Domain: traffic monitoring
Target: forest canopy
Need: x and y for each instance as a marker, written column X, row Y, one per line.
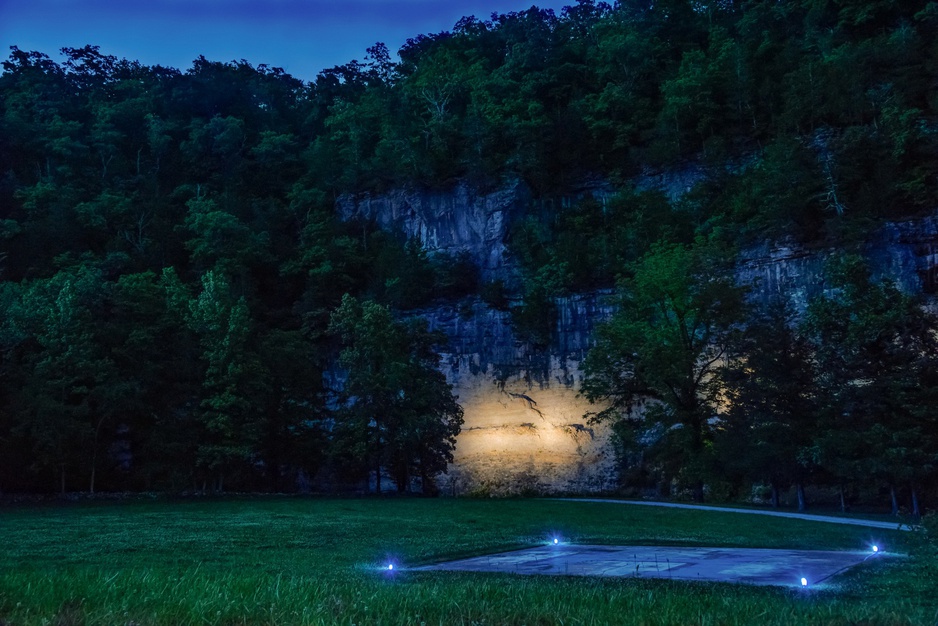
column 170, row 241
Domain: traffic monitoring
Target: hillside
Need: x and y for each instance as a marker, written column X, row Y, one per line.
column 176, row 244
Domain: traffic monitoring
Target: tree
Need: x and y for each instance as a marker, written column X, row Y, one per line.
column 70, row 394
column 771, row 419
column 781, row 195
column 291, row 398
column 397, row 411
column 876, row 352
column 157, row 355
column 664, row 345
column 220, row 241
column 229, row 389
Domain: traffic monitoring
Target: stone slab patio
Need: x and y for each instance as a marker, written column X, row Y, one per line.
column 735, row 565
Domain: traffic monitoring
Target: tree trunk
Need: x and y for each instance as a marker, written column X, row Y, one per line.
column 273, row 452
column 916, row 512
column 62, row 476
column 699, row 491
column 378, row 479
column 774, row 495
column 843, row 499
column 401, row 477
column 104, row 164
column 895, row 502
column 94, row 453
column 801, row 499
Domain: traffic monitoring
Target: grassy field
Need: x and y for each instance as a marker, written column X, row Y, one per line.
column 317, row 561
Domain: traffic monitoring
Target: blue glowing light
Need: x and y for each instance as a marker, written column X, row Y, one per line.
column 804, row 582
column 875, row 548
column 390, row 566
column 556, row 541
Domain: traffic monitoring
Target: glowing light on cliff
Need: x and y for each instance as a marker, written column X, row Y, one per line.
column 506, row 439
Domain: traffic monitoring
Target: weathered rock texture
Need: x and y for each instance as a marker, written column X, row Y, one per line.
column 458, row 221
column 905, row 252
column 525, row 428
column 524, row 420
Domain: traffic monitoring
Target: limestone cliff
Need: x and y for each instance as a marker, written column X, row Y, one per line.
column 461, row 220
column 525, row 427
column 905, row 252
column 524, row 420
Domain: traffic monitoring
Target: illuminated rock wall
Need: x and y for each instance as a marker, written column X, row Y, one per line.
column 524, row 421
column 524, row 428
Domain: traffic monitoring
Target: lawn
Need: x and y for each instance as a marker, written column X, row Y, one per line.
column 317, row 561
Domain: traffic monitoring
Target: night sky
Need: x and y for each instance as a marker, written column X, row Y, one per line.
column 301, row 36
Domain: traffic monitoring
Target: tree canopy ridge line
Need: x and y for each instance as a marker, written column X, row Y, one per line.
column 133, row 184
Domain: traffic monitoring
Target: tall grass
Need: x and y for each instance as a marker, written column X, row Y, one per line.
column 317, row 561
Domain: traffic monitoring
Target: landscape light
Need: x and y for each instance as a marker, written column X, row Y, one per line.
column 804, row 582
column 556, row 541
column 390, row 566
column 875, row 548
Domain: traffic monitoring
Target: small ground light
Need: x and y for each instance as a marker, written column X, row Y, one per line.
column 556, row 541
column 875, row 548
column 804, row 582
column 390, row 567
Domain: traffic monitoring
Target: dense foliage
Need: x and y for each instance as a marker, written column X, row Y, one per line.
column 171, row 254
column 702, row 386
column 396, row 410
column 665, row 344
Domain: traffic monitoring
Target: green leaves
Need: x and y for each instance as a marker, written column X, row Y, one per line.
column 220, row 240
column 69, row 386
column 767, row 432
column 227, row 407
column 665, row 346
column 138, row 183
column 876, row 355
column 397, row 411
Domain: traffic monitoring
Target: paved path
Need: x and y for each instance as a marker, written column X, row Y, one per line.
column 804, row 516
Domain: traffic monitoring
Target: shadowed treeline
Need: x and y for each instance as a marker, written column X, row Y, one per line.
column 172, row 263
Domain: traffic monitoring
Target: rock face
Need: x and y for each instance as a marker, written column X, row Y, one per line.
column 905, row 252
column 524, row 427
column 458, row 221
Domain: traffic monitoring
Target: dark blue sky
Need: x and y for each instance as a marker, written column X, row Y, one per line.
column 301, row 36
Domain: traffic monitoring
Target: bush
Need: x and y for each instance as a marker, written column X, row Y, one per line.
column 923, row 544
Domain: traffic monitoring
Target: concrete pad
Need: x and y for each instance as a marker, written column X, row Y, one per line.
column 735, row 565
